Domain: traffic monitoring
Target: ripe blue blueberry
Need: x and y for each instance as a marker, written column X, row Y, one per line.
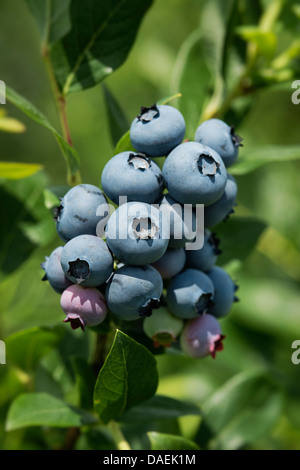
column 205, row 258
column 77, row 213
column 171, row 263
column 190, row 293
column 54, row 273
column 182, row 221
column 137, row 233
column 87, row 261
column 157, row 130
column 223, row 207
column 133, row 175
column 133, row 291
column 194, row 174
column 162, row 327
column 220, row 137
column 202, row 337
column 225, row 290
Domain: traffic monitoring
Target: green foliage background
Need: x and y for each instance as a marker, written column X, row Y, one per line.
column 249, row 396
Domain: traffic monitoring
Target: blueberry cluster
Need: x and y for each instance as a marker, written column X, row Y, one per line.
column 137, row 262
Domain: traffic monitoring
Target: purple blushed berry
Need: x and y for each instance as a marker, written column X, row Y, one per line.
column 202, row 337
column 83, row 306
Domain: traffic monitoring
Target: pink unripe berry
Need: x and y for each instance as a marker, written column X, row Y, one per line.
column 84, row 306
column 202, row 336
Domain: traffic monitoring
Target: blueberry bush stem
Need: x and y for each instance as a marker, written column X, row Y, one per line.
column 61, row 106
column 221, row 102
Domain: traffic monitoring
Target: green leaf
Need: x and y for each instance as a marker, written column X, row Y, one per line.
column 99, row 41
column 57, row 374
column 242, row 411
column 128, row 377
column 54, row 194
column 266, row 41
column 30, row 110
column 252, row 159
column 52, row 17
column 215, row 18
column 118, row 124
column 124, row 144
column 41, row 409
column 26, row 348
column 28, row 223
column 15, row 245
column 50, row 199
column 160, row 407
column 192, row 78
column 15, row 171
column 44, row 382
column 216, row 26
column 160, row 441
column 238, row 236
column 135, row 330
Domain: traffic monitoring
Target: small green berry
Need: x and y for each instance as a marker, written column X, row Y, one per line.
column 162, row 327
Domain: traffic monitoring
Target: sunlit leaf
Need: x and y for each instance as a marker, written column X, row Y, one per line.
column 8, row 124
column 31, row 111
column 266, row 41
column 15, row 171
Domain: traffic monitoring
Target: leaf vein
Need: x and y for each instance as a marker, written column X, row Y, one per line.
column 88, row 47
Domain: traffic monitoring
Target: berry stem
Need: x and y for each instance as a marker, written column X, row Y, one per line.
column 217, row 108
column 64, row 119
column 118, row 436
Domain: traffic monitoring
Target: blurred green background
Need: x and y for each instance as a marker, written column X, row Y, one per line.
column 263, row 325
